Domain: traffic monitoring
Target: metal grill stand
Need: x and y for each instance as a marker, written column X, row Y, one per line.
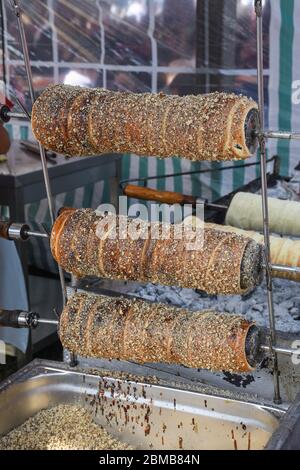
column 264, row 186
column 262, row 135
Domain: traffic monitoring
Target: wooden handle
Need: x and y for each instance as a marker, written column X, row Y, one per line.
column 149, row 194
column 4, row 226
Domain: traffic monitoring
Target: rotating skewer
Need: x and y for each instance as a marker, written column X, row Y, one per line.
column 285, row 269
column 255, row 348
column 285, row 135
column 263, row 159
column 280, row 350
column 22, row 319
column 18, row 13
column 6, row 114
column 19, row 232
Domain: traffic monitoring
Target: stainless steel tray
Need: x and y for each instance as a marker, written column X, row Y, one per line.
column 143, row 415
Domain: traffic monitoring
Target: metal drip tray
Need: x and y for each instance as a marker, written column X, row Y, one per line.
column 143, row 415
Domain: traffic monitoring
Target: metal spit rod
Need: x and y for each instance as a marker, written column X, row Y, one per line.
column 36, row 320
column 18, row 12
column 33, row 233
column 47, row 321
column 15, row 115
column 6, row 114
column 263, row 159
column 21, row 232
column 22, row 319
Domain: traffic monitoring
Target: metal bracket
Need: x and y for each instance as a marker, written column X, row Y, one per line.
column 28, row 319
column 33, row 319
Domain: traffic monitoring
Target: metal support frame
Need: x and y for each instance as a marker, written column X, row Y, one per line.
column 263, row 160
column 18, row 13
column 21, row 232
column 280, row 350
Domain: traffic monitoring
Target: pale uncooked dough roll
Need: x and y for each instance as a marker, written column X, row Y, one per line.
column 284, row 251
column 245, row 211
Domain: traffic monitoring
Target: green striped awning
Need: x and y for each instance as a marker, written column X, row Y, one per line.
column 284, row 110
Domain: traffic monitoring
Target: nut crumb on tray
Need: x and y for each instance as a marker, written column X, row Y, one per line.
column 63, row 427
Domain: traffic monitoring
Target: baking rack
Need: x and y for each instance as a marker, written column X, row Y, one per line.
column 261, row 134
